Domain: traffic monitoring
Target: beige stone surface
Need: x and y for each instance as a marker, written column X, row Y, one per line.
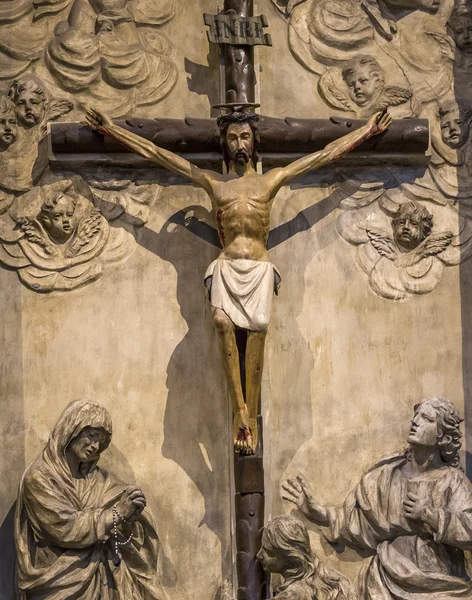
column 343, row 371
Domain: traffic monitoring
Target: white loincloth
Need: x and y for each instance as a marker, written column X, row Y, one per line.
column 243, row 289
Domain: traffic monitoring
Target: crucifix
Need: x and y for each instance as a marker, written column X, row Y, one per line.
column 241, row 282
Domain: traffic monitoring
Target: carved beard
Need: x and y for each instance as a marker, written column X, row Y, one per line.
column 241, row 157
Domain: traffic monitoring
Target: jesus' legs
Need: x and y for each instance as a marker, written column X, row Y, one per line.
column 254, row 365
column 242, row 434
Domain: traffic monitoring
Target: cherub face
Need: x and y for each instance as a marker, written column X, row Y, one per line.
column 240, row 143
column 31, row 108
column 424, row 427
column 8, row 129
column 454, row 129
column 407, row 231
column 60, row 221
column 462, row 29
column 363, row 85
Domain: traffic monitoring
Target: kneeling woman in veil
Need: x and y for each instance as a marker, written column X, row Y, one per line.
column 80, row 532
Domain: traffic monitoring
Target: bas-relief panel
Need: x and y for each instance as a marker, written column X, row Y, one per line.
column 144, row 384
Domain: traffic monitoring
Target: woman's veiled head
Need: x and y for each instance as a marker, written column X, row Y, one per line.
column 80, row 419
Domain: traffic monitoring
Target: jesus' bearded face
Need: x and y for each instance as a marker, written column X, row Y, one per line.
column 240, row 143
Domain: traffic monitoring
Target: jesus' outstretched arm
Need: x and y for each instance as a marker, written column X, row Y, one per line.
column 378, row 123
column 169, row 160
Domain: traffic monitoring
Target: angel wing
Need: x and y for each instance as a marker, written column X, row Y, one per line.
column 435, row 243
column 382, row 242
column 57, row 108
column 393, row 95
column 331, row 93
column 89, row 226
column 431, row 246
column 446, row 44
column 35, row 235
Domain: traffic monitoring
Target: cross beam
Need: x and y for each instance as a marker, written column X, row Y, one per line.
column 282, row 141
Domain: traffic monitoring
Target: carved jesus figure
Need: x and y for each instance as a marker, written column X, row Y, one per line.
column 242, row 278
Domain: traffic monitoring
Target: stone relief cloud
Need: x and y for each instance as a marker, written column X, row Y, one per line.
column 326, row 34
column 107, row 51
column 59, row 240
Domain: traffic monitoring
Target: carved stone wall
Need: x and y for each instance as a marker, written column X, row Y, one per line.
column 107, row 302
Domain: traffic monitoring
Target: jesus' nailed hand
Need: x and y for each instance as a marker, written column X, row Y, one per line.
column 242, row 280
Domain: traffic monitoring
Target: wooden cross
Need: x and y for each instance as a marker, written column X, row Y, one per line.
column 282, row 140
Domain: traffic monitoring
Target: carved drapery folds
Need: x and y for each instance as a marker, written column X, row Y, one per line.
column 409, row 513
column 93, row 49
column 79, row 530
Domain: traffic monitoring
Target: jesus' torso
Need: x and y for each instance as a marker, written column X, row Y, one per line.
column 242, row 206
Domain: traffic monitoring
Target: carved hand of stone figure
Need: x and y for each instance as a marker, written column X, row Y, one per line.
column 420, row 509
column 132, row 503
column 299, row 493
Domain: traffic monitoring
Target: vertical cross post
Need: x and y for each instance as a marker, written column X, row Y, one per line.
column 238, row 31
column 240, row 77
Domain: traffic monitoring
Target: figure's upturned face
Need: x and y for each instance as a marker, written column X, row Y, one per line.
column 424, row 427
column 363, row 85
column 267, row 557
column 407, row 231
column 8, row 129
column 454, row 130
column 60, row 222
column 86, row 446
column 240, row 143
column 31, row 108
column 463, row 33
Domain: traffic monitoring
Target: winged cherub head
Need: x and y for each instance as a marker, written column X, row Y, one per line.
column 58, row 218
column 411, row 225
column 364, row 78
column 455, row 124
column 31, row 101
column 460, row 26
column 8, row 123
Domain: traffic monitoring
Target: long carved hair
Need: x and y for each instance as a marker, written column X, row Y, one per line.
column 290, row 542
column 237, row 118
column 449, row 434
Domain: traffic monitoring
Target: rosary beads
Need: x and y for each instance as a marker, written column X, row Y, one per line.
column 116, row 517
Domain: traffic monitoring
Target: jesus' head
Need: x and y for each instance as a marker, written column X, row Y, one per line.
column 239, row 138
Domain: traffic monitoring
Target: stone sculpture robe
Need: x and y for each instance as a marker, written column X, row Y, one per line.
column 62, row 546
column 411, row 562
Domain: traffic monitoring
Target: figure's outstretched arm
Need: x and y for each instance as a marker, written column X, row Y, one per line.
column 169, row 160
column 378, row 123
